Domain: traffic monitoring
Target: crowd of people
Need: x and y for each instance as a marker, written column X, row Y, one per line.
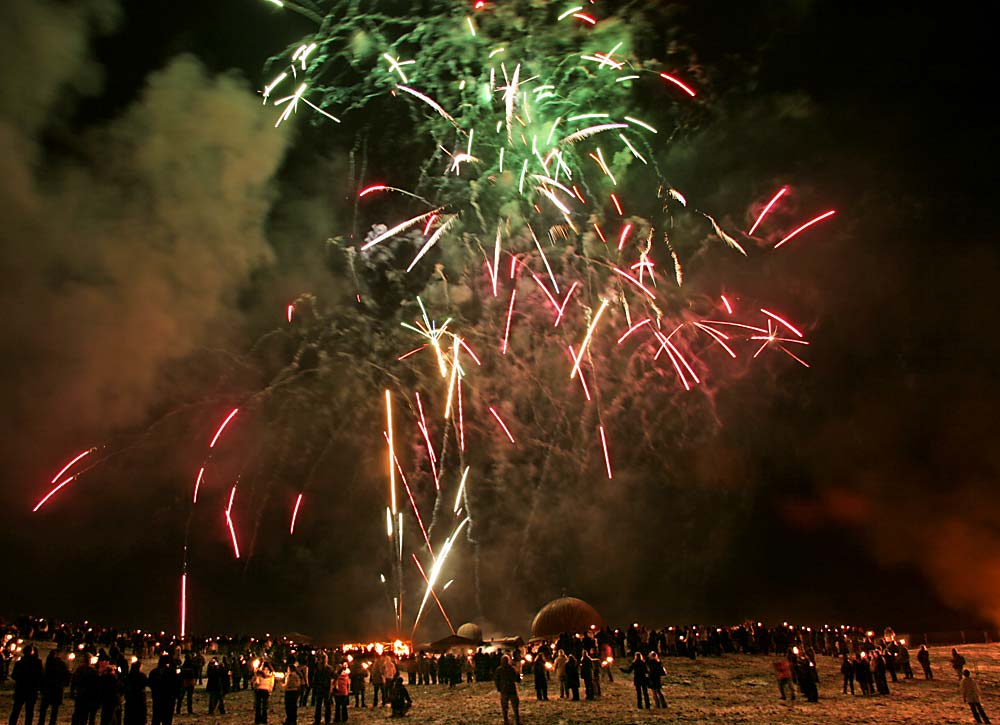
column 103, row 682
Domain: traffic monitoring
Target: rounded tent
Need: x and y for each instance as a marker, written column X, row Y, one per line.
column 567, row 614
column 470, row 631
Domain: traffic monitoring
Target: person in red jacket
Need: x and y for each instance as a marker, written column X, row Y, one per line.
column 341, row 694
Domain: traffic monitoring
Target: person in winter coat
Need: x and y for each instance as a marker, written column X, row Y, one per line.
column 957, row 662
column 84, row 689
column 378, row 681
column 341, row 694
column 27, row 675
column 358, row 674
column 135, row 695
column 262, row 683
column 399, row 697
column 322, row 687
column 293, row 683
column 560, row 669
column 506, row 679
column 640, row 673
column 863, row 674
column 879, row 673
column 111, row 696
column 903, row 659
column 573, row 677
column 541, row 675
column 783, row 671
column 587, row 667
column 655, row 675
column 54, row 682
column 972, row 697
column 218, row 683
column 163, row 687
column 924, row 658
column 847, row 670
column 188, row 676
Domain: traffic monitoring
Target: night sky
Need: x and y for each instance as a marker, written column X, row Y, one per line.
column 154, row 225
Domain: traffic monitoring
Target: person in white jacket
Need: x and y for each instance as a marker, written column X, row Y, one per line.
column 972, row 697
column 262, row 684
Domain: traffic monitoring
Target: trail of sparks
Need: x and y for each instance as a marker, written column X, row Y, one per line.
column 774, row 200
column 289, row 311
column 295, row 514
column 229, row 522
column 805, row 226
column 438, row 601
column 436, row 570
column 729, row 307
column 503, row 425
column 392, row 450
column 586, row 339
column 52, row 493
column 510, row 314
column 562, row 308
column 461, row 490
column 197, row 484
column 782, row 321
column 632, row 329
column 222, row 427
column 604, row 445
column 184, row 580
column 679, row 83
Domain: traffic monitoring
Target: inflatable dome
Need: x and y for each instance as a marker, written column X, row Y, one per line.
column 470, row 631
column 567, row 614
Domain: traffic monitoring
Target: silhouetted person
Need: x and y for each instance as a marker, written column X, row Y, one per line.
column 805, row 672
column 972, row 697
column 847, row 670
column 218, row 683
column 322, row 687
column 399, row 697
column 188, row 676
column 541, row 677
column 358, row 674
column 903, row 659
column 27, row 675
column 54, row 682
column 135, row 695
column 640, row 679
column 783, row 671
column 84, row 689
column 163, row 689
column 573, row 677
column 878, row 672
column 655, row 677
column 924, row 658
column 111, row 696
column 559, row 666
column 506, row 679
column 957, row 662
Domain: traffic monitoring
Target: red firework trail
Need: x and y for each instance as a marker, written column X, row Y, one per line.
column 604, row 445
column 680, row 84
column 781, row 192
column 805, row 226
column 52, row 493
column 782, row 321
column 583, row 380
column 222, row 427
column 502, row 424
column 229, row 522
column 69, row 465
column 632, row 329
column 424, row 576
column 624, row 235
column 729, row 307
column 289, row 311
column 562, row 308
column 295, row 514
column 634, row 281
column 197, row 483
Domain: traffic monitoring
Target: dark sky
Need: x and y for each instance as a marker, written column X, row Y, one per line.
column 861, row 490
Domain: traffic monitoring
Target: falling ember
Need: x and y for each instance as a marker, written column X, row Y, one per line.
column 184, row 578
column 729, row 307
column 562, row 308
column 774, row 200
column 388, row 522
column 586, row 339
column 232, row 534
column 510, row 313
column 600, row 234
column 805, row 226
column 392, row 452
column 222, row 427
column 52, row 493
column 461, row 489
column 502, row 424
column 782, row 321
column 461, row 424
column 295, row 514
column 604, row 445
column 618, row 205
column 632, row 329
column 621, row 240
column 372, row 189
column 680, row 84
column 197, row 484
column 289, row 311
